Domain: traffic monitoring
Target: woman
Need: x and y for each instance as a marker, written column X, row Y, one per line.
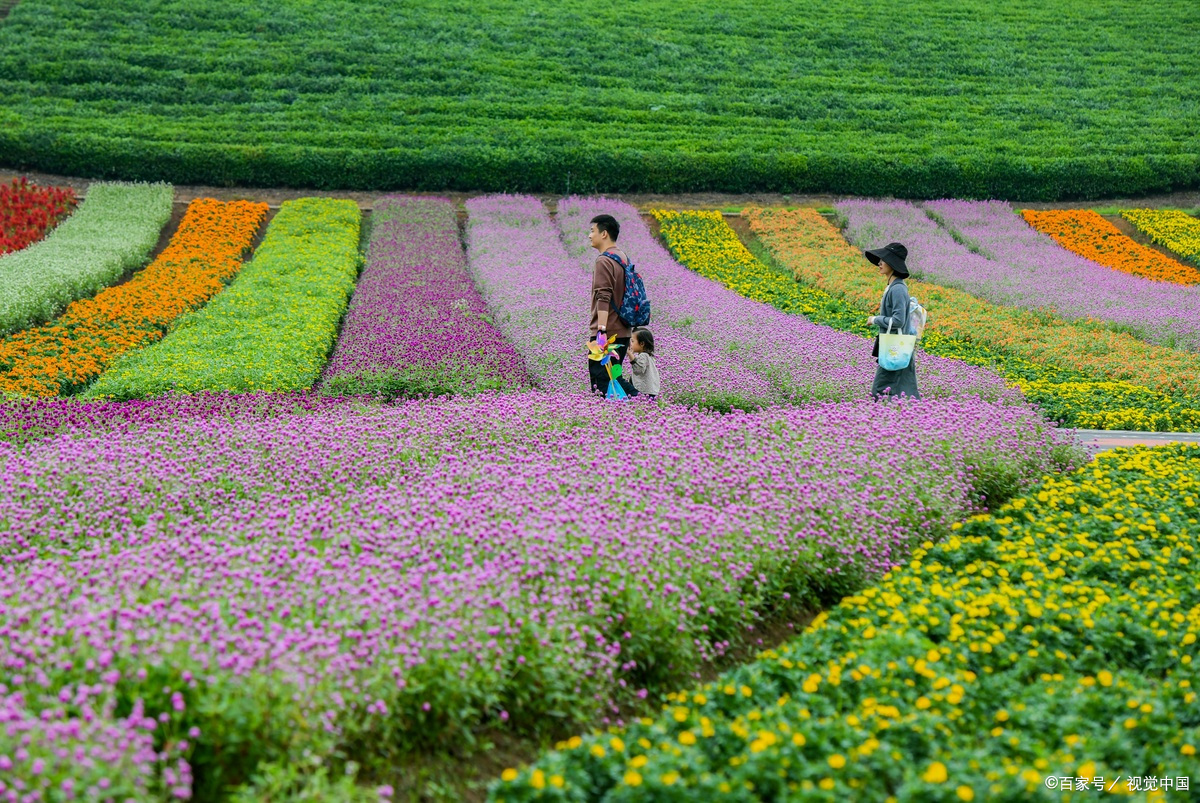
column 893, row 311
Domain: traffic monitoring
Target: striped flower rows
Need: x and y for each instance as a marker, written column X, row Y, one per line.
column 417, row 324
column 540, row 298
column 1056, row 637
column 273, row 328
column 802, row 360
column 1028, row 269
column 1086, row 233
column 70, row 352
column 28, row 211
column 112, row 232
column 837, row 286
column 1176, row 230
column 1030, row 274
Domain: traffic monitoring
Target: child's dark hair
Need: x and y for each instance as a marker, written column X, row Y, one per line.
column 646, row 338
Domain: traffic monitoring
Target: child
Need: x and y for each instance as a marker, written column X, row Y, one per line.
column 641, row 358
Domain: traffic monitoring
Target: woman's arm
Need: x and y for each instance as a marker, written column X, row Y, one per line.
column 894, row 310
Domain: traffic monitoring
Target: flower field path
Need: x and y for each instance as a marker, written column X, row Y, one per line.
column 1100, row 440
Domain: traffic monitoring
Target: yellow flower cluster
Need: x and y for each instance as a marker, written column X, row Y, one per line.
column 1055, row 637
column 273, row 328
column 1176, row 230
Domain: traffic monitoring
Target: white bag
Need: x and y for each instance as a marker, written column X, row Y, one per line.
column 895, row 350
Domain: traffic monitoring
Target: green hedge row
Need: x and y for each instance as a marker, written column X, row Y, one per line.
column 596, row 170
column 964, row 99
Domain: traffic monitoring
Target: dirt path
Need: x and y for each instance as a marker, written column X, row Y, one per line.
column 709, row 200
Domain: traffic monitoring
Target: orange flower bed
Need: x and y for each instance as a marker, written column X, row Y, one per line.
column 68, row 353
column 1091, row 236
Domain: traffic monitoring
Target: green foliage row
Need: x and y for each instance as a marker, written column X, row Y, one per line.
column 272, row 328
column 962, row 99
column 113, row 231
column 1055, row 638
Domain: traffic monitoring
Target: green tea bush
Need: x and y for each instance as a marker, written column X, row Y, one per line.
column 967, row 99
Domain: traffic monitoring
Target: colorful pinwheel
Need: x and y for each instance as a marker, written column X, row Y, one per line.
column 605, row 353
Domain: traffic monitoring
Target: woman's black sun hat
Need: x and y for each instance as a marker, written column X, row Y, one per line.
column 894, row 254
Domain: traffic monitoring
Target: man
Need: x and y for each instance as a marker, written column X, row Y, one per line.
column 608, row 288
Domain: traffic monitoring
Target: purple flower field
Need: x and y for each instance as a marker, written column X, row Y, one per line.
column 191, row 593
column 1021, row 267
column 803, row 361
column 541, row 298
column 417, row 325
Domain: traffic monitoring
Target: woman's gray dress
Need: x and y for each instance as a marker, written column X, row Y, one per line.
column 894, row 309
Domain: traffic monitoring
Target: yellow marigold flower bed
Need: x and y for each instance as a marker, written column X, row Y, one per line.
column 1053, row 639
column 1171, row 228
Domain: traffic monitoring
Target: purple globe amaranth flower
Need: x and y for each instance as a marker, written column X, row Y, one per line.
column 335, row 563
column 417, row 324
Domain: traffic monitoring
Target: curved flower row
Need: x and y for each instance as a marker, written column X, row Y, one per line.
column 71, row 351
column 838, row 286
column 112, row 231
column 1176, row 230
column 372, row 580
column 1086, row 233
column 1032, row 284
column 274, row 326
column 540, row 299
column 803, row 360
column 1055, row 638
column 985, row 249
column 417, row 324
column 28, row 211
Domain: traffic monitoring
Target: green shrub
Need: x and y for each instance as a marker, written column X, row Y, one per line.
column 970, row 100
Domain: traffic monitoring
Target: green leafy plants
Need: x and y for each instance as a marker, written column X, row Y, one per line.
column 274, row 326
column 967, row 100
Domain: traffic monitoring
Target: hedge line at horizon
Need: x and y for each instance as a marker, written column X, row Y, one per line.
column 1001, row 102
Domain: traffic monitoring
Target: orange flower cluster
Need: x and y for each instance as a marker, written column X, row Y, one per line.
column 1091, row 236
column 67, row 354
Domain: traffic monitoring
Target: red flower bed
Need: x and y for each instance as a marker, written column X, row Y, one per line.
column 28, row 211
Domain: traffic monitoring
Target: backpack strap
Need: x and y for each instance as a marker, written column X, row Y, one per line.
column 615, row 258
